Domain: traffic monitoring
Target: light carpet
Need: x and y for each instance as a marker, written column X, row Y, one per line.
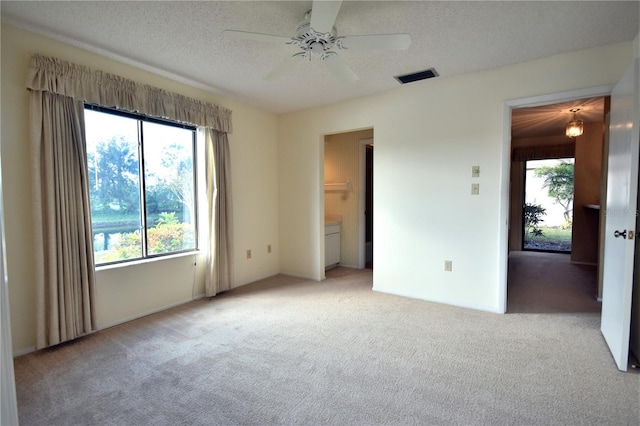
column 291, row 351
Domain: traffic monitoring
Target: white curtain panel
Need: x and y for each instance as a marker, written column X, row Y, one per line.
column 64, row 263
column 64, row 251
column 219, row 267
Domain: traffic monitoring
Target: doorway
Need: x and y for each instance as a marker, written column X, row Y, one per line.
column 538, row 133
column 548, row 205
column 368, row 206
column 348, row 187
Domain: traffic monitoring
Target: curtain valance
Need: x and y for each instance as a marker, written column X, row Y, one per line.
column 84, row 84
column 542, row 152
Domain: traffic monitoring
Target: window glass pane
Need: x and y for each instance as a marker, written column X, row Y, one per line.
column 169, row 189
column 114, row 180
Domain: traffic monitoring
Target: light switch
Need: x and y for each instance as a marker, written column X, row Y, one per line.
column 475, row 171
column 475, row 189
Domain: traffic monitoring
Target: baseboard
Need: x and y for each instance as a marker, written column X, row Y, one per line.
column 441, row 301
column 23, row 351
column 584, row 263
column 150, row 312
column 304, row 277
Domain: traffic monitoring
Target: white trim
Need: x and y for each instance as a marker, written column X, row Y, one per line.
column 135, row 262
column 29, row 349
column 574, row 262
column 23, row 351
column 441, row 301
column 362, row 217
column 552, row 98
column 150, row 312
column 304, row 277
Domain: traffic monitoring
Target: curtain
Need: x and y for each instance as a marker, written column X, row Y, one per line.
column 64, row 242
column 541, row 152
column 219, row 266
column 97, row 87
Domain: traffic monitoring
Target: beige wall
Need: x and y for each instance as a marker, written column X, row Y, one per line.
column 128, row 292
column 516, row 201
column 342, row 164
column 587, row 178
column 427, row 136
column 424, row 212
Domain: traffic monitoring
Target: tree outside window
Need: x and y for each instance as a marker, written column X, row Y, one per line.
column 142, row 186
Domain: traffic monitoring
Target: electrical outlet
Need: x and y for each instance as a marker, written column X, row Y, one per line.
column 248, row 254
column 475, row 171
column 448, row 265
column 475, row 189
column 269, row 248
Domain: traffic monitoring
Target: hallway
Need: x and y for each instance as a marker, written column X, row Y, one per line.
column 549, row 283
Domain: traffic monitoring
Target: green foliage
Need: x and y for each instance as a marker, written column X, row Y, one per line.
column 532, row 217
column 113, row 176
column 171, row 237
column 160, row 197
column 115, row 189
column 167, row 218
column 553, row 239
column 559, row 183
column 167, row 236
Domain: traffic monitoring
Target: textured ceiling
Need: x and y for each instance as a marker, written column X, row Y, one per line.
column 184, row 39
column 551, row 120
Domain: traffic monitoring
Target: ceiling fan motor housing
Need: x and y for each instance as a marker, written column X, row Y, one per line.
column 313, row 42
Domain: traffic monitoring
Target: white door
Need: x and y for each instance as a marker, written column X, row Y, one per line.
column 621, row 205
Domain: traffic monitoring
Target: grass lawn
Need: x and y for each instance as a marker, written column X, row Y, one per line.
column 552, row 239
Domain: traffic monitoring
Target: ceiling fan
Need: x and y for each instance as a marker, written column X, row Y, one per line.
column 317, row 38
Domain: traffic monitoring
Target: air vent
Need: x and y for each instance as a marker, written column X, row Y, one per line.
column 416, row 76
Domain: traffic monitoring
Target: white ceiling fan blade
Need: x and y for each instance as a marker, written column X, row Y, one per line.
column 323, row 14
column 244, row 35
column 377, row 41
column 282, row 68
column 340, row 69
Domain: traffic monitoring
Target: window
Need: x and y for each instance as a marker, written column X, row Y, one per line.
column 142, row 185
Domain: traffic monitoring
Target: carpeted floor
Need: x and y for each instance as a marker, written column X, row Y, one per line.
column 291, row 351
column 549, row 283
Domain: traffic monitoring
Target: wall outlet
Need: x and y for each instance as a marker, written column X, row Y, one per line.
column 248, row 254
column 448, row 265
column 475, row 171
column 475, row 189
column 269, row 248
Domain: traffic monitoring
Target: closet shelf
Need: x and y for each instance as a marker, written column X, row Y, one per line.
column 343, row 186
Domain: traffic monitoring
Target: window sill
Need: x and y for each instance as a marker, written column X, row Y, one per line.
column 148, row 260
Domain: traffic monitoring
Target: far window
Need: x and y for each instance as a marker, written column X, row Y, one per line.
column 142, row 185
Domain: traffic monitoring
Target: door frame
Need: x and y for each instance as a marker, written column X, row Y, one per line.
column 505, row 195
column 362, row 205
column 523, row 231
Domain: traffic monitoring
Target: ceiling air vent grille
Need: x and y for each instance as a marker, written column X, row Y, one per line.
column 416, row 76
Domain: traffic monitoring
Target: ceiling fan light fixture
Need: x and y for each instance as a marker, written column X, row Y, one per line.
column 316, row 37
column 575, row 127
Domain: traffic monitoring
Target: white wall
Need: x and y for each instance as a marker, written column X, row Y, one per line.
column 128, row 292
column 428, row 135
